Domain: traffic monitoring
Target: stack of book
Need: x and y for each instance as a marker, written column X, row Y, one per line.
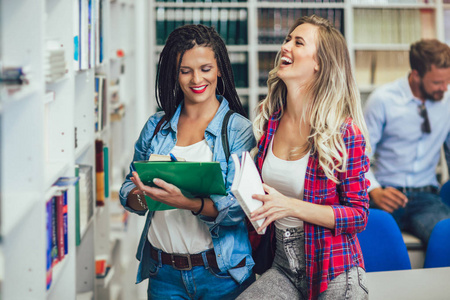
column 55, row 63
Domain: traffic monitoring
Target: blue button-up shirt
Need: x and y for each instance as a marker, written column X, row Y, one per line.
column 404, row 155
column 228, row 230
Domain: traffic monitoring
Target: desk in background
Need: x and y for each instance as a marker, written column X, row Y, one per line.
column 415, row 284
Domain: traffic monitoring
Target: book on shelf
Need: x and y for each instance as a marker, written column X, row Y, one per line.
column 86, row 196
column 230, row 23
column 59, row 209
column 55, row 66
column 100, row 103
column 194, row 179
column 101, row 267
column 88, row 34
column 49, row 258
column 61, row 214
column 76, row 34
column 77, row 207
column 106, row 169
column 246, row 183
column 99, row 173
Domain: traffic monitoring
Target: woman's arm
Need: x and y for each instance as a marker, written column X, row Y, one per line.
column 240, row 139
column 349, row 216
column 140, row 153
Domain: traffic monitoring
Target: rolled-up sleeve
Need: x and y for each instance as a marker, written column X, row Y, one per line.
column 240, row 139
column 140, row 153
column 351, row 215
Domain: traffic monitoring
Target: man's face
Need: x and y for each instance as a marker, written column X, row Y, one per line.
column 434, row 83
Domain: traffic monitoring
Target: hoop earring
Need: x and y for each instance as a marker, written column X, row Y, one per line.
column 217, row 88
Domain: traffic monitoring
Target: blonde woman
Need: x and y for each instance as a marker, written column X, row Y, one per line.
column 311, row 155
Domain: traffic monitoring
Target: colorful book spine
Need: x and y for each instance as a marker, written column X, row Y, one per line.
column 65, row 223
column 49, row 247
column 100, row 173
column 106, row 169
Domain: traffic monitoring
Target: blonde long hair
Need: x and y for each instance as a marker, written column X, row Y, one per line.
column 333, row 95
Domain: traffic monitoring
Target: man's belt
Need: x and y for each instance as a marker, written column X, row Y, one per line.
column 422, row 189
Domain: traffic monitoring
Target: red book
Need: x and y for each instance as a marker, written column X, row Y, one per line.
column 59, row 199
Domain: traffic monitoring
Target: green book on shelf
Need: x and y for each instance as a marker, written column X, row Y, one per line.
column 194, row 179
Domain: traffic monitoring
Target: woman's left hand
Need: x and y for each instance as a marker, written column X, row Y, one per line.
column 164, row 192
column 275, row 206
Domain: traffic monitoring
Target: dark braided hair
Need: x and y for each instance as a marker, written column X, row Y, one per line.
column 167, row 89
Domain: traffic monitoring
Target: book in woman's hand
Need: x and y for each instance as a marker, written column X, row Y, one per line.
column 246, row 183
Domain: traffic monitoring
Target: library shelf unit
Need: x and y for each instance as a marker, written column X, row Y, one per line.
column 393, row 26
column 68, row 113
column 378, row 35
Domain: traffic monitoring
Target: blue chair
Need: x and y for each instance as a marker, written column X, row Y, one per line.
column 445, row 193
column 382, row 243
column 438, row 250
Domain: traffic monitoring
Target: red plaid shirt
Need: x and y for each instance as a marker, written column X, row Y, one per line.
column 330, row 252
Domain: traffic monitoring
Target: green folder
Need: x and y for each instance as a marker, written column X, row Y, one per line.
column 194, row 179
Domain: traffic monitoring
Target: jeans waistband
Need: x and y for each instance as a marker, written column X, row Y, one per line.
column 422, row 189
column 185, row 262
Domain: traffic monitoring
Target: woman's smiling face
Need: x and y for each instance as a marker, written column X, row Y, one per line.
column 198, row 74
column 298, row 54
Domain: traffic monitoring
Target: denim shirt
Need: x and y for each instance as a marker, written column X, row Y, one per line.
column 228, row 230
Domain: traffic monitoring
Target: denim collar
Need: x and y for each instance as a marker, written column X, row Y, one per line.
column 214, row 127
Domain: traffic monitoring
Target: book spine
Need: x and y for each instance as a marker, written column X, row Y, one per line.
column 54, row 252
column 106, row 169
column 100, row 173
column 232, row 26
column 49, row 260
column 77, row 207
column 160, row 28
column 76, row 35
column 65, row 223
column 60, row 224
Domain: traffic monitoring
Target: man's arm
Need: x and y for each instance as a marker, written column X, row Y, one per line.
column 388, row 199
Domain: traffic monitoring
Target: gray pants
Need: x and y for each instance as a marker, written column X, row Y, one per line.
column 286, row 279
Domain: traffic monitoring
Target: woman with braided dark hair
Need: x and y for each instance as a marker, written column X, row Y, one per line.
column 200, row 249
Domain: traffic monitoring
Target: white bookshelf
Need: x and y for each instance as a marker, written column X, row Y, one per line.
column 37, row 142
column 350, row 9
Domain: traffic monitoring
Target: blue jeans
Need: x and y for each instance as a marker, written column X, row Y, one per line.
column 286, row 279
column 201, row 282
column 422, row 212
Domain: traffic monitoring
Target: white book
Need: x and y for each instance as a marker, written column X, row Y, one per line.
column 246, row 183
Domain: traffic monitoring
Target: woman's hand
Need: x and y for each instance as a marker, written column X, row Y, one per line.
column 164, row 192
column 275, row 206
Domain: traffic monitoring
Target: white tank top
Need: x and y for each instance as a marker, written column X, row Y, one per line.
column 178, row 230
column 287, row 177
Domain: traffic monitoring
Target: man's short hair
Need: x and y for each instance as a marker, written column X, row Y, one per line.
column 427, row 52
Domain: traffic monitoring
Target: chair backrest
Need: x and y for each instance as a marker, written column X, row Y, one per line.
column 445, row 193
column 438, row 250
column 382, row 244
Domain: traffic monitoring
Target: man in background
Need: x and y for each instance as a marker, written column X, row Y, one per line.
column 408, row 122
